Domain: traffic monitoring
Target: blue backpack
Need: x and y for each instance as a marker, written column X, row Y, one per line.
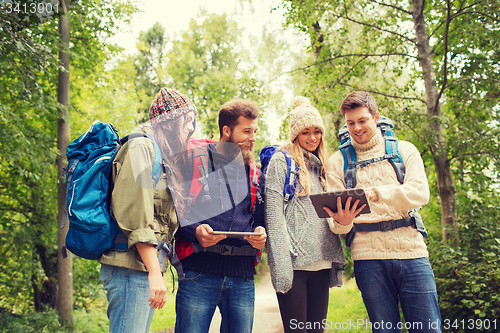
column 92, row 227
column 291, row 168
column 391, row 153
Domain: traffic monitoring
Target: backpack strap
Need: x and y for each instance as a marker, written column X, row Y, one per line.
column 292, row 170
column 199, row 155
column 120, row 242
column 157, row 164
column 391, row 148
column 349, row 164
column 254, row 185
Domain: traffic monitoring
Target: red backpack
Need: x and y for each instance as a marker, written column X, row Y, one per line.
column 198, row 151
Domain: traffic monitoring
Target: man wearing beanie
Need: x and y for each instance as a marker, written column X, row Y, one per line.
column 220, row 271
column 391, row 262
column 133, row 279
column 305, row 258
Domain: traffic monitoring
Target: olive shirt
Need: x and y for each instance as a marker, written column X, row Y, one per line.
column 144, row 214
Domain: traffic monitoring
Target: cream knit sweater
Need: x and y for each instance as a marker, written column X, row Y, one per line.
column 391, row 201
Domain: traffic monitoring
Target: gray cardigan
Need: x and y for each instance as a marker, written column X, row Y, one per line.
column 296, row 236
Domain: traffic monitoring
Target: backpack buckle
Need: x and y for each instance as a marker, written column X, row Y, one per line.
column 385, row 226
column 226, row 250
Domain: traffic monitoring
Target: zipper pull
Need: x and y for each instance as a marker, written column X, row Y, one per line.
column 62, row 172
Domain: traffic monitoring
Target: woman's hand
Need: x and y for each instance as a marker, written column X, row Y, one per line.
column 157, row 287
column 345, row 216
column 157, row 290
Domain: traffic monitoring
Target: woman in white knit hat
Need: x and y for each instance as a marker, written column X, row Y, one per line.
column 304, row 256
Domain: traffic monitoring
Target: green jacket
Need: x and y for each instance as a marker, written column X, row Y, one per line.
column 145, row 214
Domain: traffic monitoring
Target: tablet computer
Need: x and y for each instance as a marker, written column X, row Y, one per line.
column 329, row 199
column 237, row 234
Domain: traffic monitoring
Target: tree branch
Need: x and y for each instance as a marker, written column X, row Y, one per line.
column 386, row 95
column 350, row 70
column 391, row 6
column 463, row 12
column 374, row 27
column 493, row 153
column 475, row 78
column 26, row 214
column 342, row 56
column 423, row 139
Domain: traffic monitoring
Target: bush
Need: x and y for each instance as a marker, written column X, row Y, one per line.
column 468, row 277
column 36, row 322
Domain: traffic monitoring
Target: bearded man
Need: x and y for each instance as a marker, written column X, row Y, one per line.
column 220, row 272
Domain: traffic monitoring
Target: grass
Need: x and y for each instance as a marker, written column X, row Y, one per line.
column 346, row 311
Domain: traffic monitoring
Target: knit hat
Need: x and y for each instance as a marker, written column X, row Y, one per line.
column 303, row 115
column 169, row 104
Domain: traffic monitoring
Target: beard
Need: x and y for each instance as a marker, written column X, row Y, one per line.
column 245, row 148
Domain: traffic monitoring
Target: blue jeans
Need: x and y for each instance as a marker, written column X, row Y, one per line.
column 199, row 295
column 411, row 281
column 127, row 291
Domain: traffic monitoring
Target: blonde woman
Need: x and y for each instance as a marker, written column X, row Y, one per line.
column 304, row 256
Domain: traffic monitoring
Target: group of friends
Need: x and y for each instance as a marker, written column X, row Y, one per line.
column 304, row 251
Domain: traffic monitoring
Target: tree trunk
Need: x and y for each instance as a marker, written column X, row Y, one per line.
column 446, row 186
column 64, row 266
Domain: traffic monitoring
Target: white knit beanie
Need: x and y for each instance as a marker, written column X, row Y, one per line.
column 304, row 115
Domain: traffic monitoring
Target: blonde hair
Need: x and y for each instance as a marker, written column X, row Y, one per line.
column 297, row 153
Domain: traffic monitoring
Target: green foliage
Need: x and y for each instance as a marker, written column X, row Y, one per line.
column 468, row 277
column 203, row 63
column 89, row 292
column 27, row 155
column 149, row 65
column 28, row 121
column 35, row 322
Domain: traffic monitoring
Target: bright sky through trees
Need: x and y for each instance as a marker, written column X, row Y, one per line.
column 251, row 16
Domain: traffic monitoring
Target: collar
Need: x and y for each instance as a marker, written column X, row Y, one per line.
column 376, row 140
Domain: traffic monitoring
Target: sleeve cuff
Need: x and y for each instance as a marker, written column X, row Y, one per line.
column 144, row 235
column 338, row 228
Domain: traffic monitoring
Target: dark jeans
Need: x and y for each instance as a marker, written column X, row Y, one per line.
column 201, row 293
column 305, row 305
column 384, row 283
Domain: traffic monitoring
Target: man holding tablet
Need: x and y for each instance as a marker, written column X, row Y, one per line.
column 390, row 257
column 224, row 225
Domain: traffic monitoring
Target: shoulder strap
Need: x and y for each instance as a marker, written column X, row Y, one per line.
column 157, row 164
column 349, row 164
column 199, row 155
column 391, row 148
column 291, row 168
column 254, row 184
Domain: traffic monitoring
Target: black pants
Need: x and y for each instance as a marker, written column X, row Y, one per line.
column 303, row 308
